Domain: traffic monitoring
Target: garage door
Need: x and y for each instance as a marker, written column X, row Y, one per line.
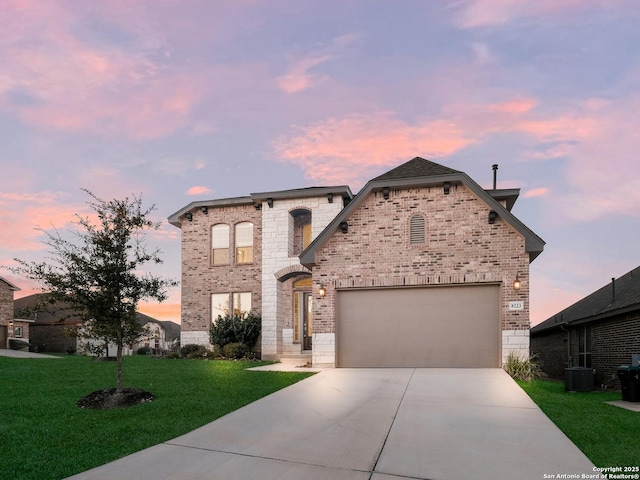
column 419, row 327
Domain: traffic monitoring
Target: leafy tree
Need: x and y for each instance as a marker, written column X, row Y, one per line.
column 99, row 276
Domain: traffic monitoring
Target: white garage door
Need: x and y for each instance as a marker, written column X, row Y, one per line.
column 419, row 327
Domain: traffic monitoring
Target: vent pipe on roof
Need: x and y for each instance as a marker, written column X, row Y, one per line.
column 495, row 175
column 613, row 290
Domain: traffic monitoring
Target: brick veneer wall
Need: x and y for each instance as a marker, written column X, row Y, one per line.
column 200, row 278
column 551, row 350
column 461, row 248
column 613, row 341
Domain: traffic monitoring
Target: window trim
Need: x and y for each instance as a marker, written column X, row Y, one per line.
column 238, row 249
column 227, row 248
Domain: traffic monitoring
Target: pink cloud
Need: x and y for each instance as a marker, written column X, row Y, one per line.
column 198, row 190
column 22, row 214
column 77, row 86
column 481, row 13
column 536, row 192
column 347, row 150
column 299, row 77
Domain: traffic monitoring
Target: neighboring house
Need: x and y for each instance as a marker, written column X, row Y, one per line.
column 423, row 268
column 11, row 328
column 54, row 327
column 601, row 331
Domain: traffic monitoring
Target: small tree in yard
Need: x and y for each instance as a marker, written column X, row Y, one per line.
column 99, row 276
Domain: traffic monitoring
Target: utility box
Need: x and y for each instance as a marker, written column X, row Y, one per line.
column 578, row 379
column 629, row 376
column 635, row 360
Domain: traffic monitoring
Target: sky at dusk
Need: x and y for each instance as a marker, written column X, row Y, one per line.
column 184, row 100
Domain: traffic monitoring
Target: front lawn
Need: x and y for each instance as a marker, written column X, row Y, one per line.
column 43, row 435
column 608, row 435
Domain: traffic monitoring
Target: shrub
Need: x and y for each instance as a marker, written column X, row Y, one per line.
column 525, row 369
column 18, row 344
column 172, row 355
column 235, row 350
column 143, row 351
column 192, row 350
column 236, row 329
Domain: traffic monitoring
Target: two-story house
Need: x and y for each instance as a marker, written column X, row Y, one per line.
column 422, row 268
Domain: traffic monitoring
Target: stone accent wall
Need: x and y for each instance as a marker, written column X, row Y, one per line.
column 200, row 278
column 515, row 342
column 461, row 247
column 278, row 254
column 6, row 303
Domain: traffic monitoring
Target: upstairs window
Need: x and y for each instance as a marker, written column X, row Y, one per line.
column 220, row 244
column 417, row 233
column 244, row 242
column 301, row 235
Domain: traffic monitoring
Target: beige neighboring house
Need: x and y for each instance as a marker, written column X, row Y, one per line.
column 13, row 331
column 422, row 268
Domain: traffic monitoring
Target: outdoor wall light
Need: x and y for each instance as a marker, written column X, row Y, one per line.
column 447, row 187
column 270, row 202
column 344, row 227
column 517, row 283
column 322, row 292
column 385, row 193
column 205, row 210
column 11, row 324
column 330, row 197
column 492, row 217
column 189, row 216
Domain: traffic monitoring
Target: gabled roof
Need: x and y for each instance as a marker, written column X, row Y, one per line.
column 420, row 172
column 256, row 199
column 416, row 167
column 11, row 285
column 619, row 296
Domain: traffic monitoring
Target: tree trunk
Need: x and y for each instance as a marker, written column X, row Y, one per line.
column 119, row 381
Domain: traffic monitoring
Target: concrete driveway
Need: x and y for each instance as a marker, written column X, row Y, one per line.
column 20, row 354
column 378, row 424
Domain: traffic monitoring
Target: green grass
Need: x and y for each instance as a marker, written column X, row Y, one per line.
column 43, row 435
column 608, row 435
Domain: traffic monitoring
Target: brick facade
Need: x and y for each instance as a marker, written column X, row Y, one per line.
column 201, row 279
column 613, row 342
column 461, row 248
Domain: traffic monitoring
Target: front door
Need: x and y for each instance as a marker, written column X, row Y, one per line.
column 307, row 322
column 3, row 336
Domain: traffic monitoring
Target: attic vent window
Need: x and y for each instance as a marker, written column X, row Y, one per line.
column 417, row 230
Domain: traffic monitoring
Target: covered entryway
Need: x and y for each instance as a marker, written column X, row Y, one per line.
column 452, row 326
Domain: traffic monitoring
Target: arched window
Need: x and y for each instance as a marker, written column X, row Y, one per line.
column 301, row 234
column 220, row 244
column 417, row 234
column 244, row 242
